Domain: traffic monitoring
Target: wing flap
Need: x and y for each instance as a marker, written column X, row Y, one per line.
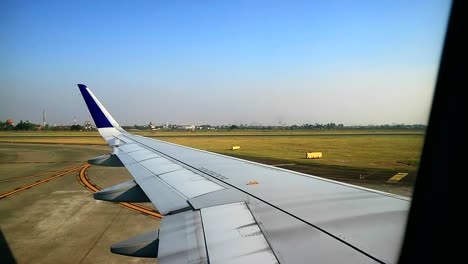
column 219, row 234
column 182, row 239
column 233, row 236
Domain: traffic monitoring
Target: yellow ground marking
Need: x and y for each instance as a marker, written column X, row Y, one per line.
column 135, row 207
column 35, row 175
column 3, row 195
column 397, row 177
column 38, row 162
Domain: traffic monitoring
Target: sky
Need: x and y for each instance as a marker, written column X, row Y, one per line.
column 222, row 62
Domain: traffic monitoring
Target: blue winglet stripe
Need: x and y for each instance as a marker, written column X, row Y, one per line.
column 99, row 118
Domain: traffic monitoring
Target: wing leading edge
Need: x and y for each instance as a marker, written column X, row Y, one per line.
column 214, row 216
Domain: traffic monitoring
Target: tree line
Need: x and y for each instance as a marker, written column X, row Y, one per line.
column 331, row 126
column 25, row 126
column 20, row 126
column 28, row 126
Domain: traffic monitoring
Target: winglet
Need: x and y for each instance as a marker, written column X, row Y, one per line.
column 101, row 117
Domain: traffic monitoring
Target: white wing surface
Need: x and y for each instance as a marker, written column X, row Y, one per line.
column 214, row 216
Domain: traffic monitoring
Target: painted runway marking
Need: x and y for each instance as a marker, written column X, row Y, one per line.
column 38, row 162
column 34, row 175
column 6, row 194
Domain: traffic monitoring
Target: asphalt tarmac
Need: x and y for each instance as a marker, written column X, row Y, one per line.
column 56, row 219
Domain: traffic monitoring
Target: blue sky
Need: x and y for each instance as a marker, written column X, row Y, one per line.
column 222, row 62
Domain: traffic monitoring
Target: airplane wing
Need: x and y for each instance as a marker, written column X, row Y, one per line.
column 220, row 209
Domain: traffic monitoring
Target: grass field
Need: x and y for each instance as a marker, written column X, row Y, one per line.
column 386, row 152
column 354, row 154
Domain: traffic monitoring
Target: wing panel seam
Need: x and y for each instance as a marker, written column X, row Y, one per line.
column 261, row 229
column 156, row 176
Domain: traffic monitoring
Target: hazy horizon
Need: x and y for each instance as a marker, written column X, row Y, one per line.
column 219, row 63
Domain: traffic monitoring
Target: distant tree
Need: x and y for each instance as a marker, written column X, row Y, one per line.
column 5, row 126
column 330, row 126
column 25, row 126
column 233, row 127
column 76, row 128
